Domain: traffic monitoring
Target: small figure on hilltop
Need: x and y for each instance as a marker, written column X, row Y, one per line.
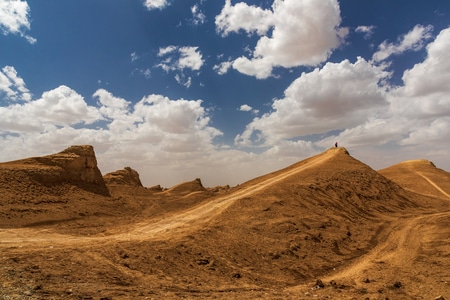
column 336, row 144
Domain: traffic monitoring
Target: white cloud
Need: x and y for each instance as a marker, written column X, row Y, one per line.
column 14, row 18
column 367, row 30
column 198, row 17
column 223, row 67
column 416, row 124
column 156, row 4
column 248, row 108
column 12, row 85
column 303, row 33
column 59, row 107
column 339, row 95
column 166, row 50
column 241, row 16
column 134, row 56
column 190, row 58
column 180, row 58
column 414, row 40
column 245, row 107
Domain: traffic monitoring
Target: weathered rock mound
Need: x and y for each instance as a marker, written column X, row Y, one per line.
column 54, row 174
column 187, row 187
column 127, row 176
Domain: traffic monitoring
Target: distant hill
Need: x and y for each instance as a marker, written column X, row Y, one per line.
column 420, row 176
column 297, row 222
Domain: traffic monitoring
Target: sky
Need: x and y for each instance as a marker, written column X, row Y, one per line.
column 224, row 90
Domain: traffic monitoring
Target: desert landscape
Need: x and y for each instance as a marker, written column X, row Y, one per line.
column 327, row 227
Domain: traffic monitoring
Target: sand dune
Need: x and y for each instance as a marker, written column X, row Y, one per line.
column 326, row 227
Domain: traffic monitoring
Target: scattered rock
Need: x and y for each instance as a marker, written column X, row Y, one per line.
column 202, row 261
column 439, row 298
column 319, row 284
column 397, row 284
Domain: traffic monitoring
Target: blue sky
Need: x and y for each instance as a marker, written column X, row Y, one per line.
column 225, row 90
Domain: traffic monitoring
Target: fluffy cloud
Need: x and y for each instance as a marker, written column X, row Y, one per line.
column 339, row 95
column 156, row 4
column 179, row 60
column 416, row 123
column 156, row 131
column 413, row 40
column 12, row 85
column 241, row 16
column 14, row 18
column 59, row 107
column 303, row 33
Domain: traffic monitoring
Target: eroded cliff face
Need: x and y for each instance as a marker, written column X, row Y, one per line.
column 76, row 166
column 80, row 164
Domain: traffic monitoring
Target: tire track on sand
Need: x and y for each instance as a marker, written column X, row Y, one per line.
column 178, row 224
column 433, row 184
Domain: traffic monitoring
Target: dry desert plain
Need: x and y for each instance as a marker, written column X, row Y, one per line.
column 327, row 227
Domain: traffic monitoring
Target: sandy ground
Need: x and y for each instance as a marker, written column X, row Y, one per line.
column 327, row 227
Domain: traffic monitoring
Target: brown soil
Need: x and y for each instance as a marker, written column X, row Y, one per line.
column 328, row 227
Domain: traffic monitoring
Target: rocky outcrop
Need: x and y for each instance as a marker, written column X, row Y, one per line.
column 78, row 162
column 127, row 176
column 74, row 166
column 187, row 187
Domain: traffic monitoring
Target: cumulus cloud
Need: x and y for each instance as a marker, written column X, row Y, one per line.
column 337, row 96
column 301, row 33
column 156, row 135
column 14, row 18
column 414, row 40
column 416, row 122
column 245, row 107
column 13, row 85
column 241, row 16
column 180, row 60
column 156, row 4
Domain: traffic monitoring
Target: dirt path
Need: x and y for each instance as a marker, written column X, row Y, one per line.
column 177, row 224
column 433, row 184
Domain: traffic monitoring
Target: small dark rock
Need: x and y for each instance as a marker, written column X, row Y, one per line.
column 397, row 284
column 367, row 280
column 319, row 284
column 237, row 275
column 203, row 261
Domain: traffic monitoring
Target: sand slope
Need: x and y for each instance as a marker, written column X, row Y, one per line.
column 327, row 226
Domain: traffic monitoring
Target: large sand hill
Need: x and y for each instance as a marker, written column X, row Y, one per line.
column 328, row 227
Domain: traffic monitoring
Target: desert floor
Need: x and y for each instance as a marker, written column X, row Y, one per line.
column 327, row 227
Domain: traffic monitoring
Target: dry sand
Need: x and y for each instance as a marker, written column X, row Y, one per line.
column 328, row 227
